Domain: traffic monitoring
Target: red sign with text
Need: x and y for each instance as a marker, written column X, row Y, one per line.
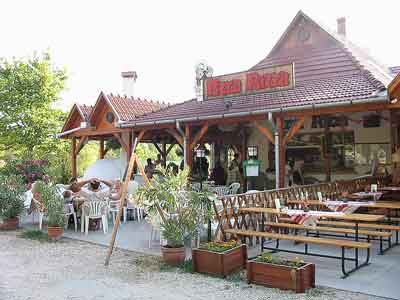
column 250, row 82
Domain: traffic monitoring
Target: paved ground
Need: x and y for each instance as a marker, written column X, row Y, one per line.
column 381, row 278
column 71, row 269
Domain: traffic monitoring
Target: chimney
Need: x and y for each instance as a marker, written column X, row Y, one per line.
column 341, row 26
column 128, row 82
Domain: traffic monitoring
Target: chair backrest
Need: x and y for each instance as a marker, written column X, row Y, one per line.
column 94, row 208
column 69, row 208
column 114, row 204
column 234, row 188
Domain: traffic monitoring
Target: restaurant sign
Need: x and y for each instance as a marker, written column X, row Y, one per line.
column 271, row 79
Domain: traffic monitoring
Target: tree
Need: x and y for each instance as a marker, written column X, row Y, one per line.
column 29, row 89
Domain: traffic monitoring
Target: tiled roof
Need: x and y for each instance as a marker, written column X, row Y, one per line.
column 86, row 110
column 395, row 70
column 129, row 108
column 334, row 72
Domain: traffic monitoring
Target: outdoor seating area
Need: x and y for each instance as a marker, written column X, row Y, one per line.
column 308, row 216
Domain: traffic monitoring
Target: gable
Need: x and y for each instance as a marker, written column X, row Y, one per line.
column 74, row 119
column 303, row 33
column 98, row 116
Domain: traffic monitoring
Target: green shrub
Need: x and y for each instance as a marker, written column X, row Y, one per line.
column 220, row 246
column 53, row 202
column 11, row 196
column 270, row 259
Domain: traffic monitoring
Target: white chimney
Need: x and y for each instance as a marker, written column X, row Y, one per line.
column 128, row 82
column 341, row 26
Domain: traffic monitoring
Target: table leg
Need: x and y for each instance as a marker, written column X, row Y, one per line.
column 356, row 249
column 262, row 229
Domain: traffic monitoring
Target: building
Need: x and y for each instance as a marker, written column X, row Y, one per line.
column 334, row 107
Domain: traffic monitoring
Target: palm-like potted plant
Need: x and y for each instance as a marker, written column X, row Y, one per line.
column 181, row 211
column 11, row 201
column 54, row 206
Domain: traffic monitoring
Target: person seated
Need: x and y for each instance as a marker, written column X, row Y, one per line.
column 218, row 174
column 149, row 168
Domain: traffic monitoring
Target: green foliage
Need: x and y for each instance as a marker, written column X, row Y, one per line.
column 35, row 234
column 220, row 246
column 28, row 89
column 11, row 196
column 53, row 202
column 187, row 210
column 270, row 259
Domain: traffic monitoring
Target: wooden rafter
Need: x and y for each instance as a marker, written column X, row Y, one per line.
column 294, row 129
column 199, row 136
column 176, row 135
column 264, row 131
column 82, row 142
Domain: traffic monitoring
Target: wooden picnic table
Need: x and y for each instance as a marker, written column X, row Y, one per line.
column 331, row 215
column 378, row 204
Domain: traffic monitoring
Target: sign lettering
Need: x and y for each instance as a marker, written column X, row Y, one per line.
column 251, row 82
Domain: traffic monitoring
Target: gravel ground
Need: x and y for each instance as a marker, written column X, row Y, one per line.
column 72, row 270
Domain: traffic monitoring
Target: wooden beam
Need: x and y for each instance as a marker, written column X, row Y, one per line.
column 176, row 135
column 158, row 148
column 188, row 150
column 82, row 142
column 264, row 131
column 121, row 142
column 294, row 129
column 101, row 149
column 170, row 148
column 73, row 158
column 199, row 136
column 164, row 154
column 282, row 152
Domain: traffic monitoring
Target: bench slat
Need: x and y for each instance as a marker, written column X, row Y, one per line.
column 302, row 239
column 330, row 229
column 361, row 225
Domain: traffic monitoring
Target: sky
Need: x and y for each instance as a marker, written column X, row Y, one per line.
column 164, row 40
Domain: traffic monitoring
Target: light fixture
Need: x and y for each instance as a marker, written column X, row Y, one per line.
column 252, row 151
column 200, row 153
column 394, row 101
column 83, row 125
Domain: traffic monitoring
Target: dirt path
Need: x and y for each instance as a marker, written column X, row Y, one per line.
column 72, row 270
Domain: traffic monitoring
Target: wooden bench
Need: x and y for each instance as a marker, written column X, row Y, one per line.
column 343, row 244
column 386, row 227
column 332, row 230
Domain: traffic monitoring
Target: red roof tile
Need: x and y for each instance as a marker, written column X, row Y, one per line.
column 85, row 110
column 331, row 72
column 129, row 108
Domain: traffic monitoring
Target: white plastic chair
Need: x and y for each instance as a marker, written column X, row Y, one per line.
column 40, row 210
column 113, row 209
column 132, row 188
column 234, row 188
column 95, row 210
column 70, row 211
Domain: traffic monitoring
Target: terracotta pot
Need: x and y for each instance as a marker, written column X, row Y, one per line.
column 173, row 256
column 55, row 232
column 10, row 224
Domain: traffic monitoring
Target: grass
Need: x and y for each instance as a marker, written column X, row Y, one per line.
column 35, row 234
column 186, row 267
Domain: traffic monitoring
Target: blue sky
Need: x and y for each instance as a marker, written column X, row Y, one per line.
column 163, row 40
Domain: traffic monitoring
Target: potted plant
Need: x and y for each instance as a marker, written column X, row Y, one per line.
column 219, row 258
column 285, row 274
column 181, row 211
column 54, row 206
column 11, row 201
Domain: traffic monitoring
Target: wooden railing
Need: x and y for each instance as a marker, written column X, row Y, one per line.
column 227, row 208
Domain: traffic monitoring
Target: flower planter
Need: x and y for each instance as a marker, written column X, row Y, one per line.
column 55, row 232
column 219, row 263
column 173, row 256
column 10, row 224
column 281, row 277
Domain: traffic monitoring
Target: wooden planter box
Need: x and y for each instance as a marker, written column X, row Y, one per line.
column 219, row 263
column 281, row 277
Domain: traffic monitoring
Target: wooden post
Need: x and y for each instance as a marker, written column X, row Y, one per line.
column 164, row 154
column 101, row 150
column 73, row 158
column 189, row 154
column 327, row 153
column 282, row 152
